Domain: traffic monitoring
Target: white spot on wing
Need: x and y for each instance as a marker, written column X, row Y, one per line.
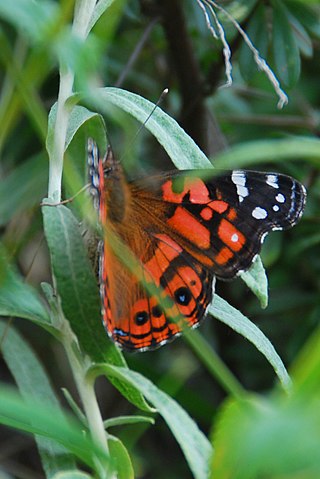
column 272, row 180
column 280, row 198
column 276, row 208
column 239, row 179
column 234, row 238
column 259, row 213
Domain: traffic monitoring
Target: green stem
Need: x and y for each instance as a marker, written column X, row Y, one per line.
column 60, row 134
column 82, row 17
column 88, row 397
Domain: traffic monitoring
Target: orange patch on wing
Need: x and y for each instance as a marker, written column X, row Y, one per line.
column 223, row 256
column 166, row 251
column 192, row 280
column 230, row 235
column 232, row 214
column 190, row 228
column 219, row 206
column 206, row 213
column 198, row 192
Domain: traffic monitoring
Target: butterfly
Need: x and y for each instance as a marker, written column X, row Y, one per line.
column 185, row 232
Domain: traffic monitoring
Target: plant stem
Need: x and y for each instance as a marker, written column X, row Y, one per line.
column 82, row 17
column 88, row 398
column 60, row 133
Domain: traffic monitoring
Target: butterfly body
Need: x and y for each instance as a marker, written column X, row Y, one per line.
column 184, row 230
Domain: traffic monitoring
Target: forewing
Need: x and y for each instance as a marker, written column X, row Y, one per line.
column 222, row 221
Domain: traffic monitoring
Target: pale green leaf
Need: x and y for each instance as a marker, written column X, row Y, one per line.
column 229, row 315
column 194, row 444
column 33, row 383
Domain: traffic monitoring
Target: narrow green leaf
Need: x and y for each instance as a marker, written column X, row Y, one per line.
column 256, row 279
column 99, row 10
column 257, row 152
column 307, row 15
column 285, row 48
column 194, row 444
column 34, row 384
column 303, row 39
column 76, row 283
column 107, row 28
column 79, row 116
column 121, row 458
column 124, row 420
column 180, row 147
column 34, row 417
column 229, row 315
column 79, row 292
column 74, row 406
column 18, row 299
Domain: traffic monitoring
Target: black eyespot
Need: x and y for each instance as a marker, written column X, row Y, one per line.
column 157, row 311
column 183, row 296
column 141, row 318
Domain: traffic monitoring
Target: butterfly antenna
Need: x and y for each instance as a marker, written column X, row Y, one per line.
column 68, row 200
column 142, row 126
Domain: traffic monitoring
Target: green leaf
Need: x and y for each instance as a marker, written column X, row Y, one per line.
column 303, row 39
column 271, row 151
column 18, row 299
column 99, row 10
column 121, row 458
column 124, row 420
column 285, row 48
column 307, row 15
column 183, row 151
column 257, row 31
column 79, row 293
column 76, row 283
column 194, row 444
column 256, row 279
column 79, row 116
column 227, row 314
column 34, row 417
column 33, row 383
column 32, row 178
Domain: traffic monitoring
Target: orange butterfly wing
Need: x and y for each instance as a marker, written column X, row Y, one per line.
column 183, row 231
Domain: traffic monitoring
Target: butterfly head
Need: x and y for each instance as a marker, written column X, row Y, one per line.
column 108, row 185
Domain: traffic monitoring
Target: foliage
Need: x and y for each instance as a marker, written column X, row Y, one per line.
column 142, row 48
